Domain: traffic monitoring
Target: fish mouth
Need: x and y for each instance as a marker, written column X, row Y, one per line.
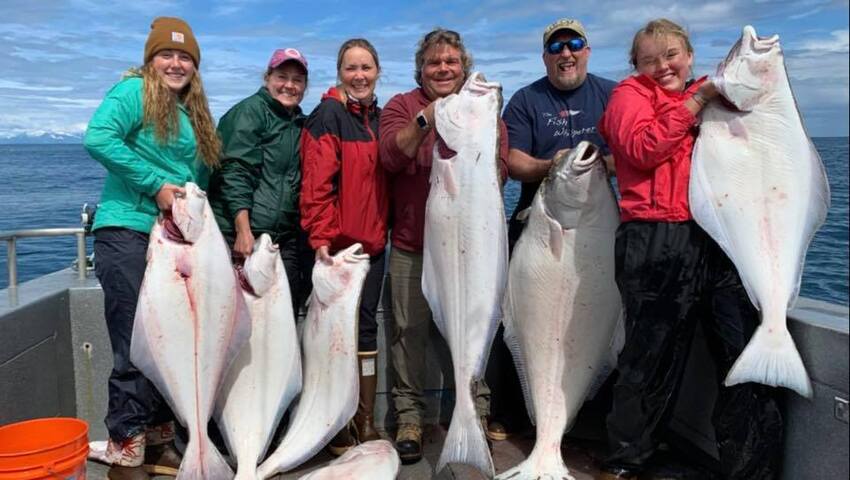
column 759, row 44
column 243, row 279
column 749, row 41
column 576, row 162
column 478, row 85
column 354, row 254
column 265, row 243
column 581, row 159
column 586, row 156
column 170, row 230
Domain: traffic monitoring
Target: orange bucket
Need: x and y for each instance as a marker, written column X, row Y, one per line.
column 44, row 448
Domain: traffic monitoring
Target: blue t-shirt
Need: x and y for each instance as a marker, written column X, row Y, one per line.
column 542, row 120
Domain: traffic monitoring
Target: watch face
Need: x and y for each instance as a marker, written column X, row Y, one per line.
column 421, row 121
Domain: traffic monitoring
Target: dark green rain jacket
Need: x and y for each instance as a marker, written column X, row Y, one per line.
column 260, row 167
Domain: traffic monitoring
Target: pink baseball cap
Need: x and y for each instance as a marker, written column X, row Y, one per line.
column 282, row 55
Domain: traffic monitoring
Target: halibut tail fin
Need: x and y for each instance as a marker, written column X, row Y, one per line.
column 771, row 358
column 465, row 441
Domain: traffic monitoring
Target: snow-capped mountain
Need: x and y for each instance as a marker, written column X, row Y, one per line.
column 40, row 138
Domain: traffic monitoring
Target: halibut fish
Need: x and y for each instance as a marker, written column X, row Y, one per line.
column 374, row 460
column 191, row 322
column 465, row 255
column 329, row 353
column 758, row 187
column 562, row 305
column 266, row 375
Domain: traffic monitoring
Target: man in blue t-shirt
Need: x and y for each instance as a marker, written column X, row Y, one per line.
column 554, row 113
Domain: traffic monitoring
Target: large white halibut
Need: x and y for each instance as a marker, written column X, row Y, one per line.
column 266, row 375
column 464, row 266
column 375, row 460
column 190, row 323
column 562, row 303
column 329, row 353
column 758, row 187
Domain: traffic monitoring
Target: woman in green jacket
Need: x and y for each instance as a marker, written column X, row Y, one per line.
column 153, row 133
column 256, row 189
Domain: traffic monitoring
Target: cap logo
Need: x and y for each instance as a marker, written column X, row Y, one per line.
column 293, row 52
column 177, row 37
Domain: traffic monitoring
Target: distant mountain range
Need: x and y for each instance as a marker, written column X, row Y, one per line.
column 41, row 138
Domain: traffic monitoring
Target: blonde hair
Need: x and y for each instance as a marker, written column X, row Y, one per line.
column 659, row 28
column 160, row 112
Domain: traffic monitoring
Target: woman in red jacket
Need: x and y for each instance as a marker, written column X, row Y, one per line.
column 344, row 201
column 671, row 274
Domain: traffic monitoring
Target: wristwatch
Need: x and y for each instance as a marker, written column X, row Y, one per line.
column 422, row 121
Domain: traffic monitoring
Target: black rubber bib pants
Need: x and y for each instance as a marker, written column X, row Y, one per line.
column 672, row 276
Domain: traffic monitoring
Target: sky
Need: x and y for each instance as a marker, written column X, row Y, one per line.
column 58, row 58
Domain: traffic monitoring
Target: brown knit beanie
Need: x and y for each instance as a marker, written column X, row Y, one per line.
column 171, row 33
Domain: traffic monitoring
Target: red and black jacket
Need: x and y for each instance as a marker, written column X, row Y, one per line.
column 344, row 196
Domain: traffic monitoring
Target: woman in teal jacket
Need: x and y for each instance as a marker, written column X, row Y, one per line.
column 256, row 189
column 153, row 133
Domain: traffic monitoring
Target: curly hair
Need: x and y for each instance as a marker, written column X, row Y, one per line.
column 659, row 28
column 445, row 37
column 160, row 112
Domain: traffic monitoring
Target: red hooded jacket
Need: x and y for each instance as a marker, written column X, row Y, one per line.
column 651, row 134
column 343, row 186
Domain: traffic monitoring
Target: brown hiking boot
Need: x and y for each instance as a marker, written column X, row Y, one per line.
column 343, row 441
column 364, row 418
column 161, row 456
column 496, row 431
column 117, row 472
column 408, row 442
column 484, row 423
column 162, row 459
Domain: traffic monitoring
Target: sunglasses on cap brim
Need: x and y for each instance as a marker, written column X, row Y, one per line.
column 573, row 45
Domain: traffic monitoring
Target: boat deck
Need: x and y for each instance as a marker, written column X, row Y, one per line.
column 55, row 359
column 506, row 454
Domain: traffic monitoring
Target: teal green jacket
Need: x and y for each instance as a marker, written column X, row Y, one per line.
column 138, row 165
column 260, row 167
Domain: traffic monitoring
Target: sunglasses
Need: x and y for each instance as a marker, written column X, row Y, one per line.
column 573, row 45
column 451, row 34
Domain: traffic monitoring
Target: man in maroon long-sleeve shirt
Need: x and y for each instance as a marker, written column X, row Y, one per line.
column 406, row 147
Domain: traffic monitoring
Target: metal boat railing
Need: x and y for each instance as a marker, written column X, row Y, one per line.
column 11, row 237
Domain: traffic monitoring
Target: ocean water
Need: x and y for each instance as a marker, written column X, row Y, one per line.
column 46, row 186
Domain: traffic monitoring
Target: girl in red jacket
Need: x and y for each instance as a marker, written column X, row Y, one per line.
column 671, row 274
column 344, row 201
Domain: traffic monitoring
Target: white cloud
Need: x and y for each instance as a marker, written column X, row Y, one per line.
column 12, row 85
column 59, row 57
column 838, row 43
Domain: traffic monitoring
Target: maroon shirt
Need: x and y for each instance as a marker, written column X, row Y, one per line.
column 409, row 177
